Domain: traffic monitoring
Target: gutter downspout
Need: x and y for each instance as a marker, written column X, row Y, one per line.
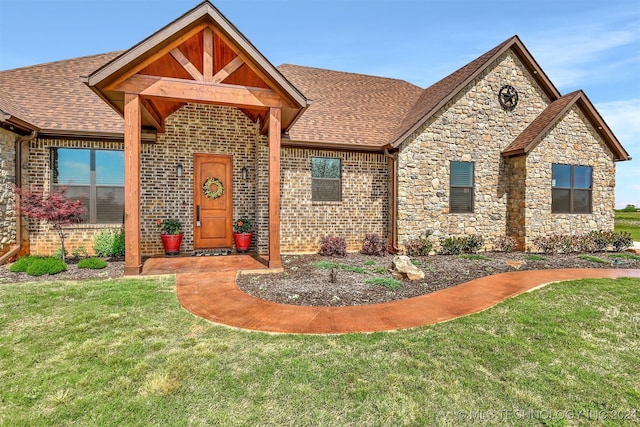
column 18, row 183
column 393, row 211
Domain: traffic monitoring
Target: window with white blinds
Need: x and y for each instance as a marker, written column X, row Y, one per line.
column 461, row 187
column 96, row 177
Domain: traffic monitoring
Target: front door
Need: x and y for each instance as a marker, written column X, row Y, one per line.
column 213, row 201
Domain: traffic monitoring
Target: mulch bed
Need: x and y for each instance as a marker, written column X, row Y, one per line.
column 304, row 283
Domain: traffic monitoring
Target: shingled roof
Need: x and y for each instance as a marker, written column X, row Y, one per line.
column 349, row 109
column 533, row 134
column 53, row 98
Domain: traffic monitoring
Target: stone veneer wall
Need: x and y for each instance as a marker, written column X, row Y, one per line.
column 364, row 207
column 7, row 195
column 42, row 237
column 572, row 141
column 471, row 127
column 195, row 128
column 517, row 174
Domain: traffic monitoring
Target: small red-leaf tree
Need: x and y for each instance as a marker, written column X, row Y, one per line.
column 54, row 208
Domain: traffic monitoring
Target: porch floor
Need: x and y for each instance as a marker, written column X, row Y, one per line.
column 207, row 288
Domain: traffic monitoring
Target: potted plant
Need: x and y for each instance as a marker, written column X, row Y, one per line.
column 242, row 234
column 171, row 234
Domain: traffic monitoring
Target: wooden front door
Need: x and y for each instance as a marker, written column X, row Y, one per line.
column 213, row 222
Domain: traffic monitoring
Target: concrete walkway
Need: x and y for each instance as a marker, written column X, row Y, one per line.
column 216, row 297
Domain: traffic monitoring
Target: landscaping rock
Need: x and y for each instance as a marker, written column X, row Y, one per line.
column 403, row 269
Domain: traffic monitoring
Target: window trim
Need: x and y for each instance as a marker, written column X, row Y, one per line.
column 316, row 179
column 471, row 188
column 572, row 189
column 92, row 186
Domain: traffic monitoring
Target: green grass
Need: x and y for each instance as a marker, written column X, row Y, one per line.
column 474, row 257
column 387, row 282
column 625, row 255
column 629, row 222
column 592, row 258
column 123, row 352
column 370, row 262
column 346, row 267
column 534, row 258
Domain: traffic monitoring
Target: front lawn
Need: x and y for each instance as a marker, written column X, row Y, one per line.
column 629, row 222
column 123, row 352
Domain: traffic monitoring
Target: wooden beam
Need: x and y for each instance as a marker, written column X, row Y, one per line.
column 275, row 127
column 207, row 54
column 247, row 60
column 153, row 58
column 205, row 92
column 228, row 69
column 132, row 143
column 152, row 114
column 186, row 64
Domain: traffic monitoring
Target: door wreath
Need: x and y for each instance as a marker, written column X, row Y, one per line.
column 206, row 188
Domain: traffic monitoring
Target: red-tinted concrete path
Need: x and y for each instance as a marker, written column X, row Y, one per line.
column 215, row 296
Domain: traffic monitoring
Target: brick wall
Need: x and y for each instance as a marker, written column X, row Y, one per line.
column 43, row 238
column 471, row 127
column 364, row 207
column 195, row 128
column 7, row 195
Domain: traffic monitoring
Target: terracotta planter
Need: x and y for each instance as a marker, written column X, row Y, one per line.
column 171, row 243
column 242, row 241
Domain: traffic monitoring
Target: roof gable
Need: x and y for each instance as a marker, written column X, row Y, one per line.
column 534, row 133
column 439, row 94
column 201, row 46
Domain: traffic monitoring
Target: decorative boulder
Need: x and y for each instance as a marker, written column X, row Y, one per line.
column 403, row 269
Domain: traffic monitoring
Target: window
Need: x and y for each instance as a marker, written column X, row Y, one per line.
column 461, row 187
column 571, row 189
column 326, row 182
column 96, row 177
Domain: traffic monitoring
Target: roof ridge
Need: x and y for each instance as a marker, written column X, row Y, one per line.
column 353, row 73
column 444, row 89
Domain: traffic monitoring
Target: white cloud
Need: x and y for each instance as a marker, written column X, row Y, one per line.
column 623, row 119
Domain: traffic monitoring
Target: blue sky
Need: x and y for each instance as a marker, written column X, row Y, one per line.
column 580, row 44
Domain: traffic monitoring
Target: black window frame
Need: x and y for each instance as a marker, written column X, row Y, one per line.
column 92, row 187
column 572, row 191
column 318, row 182
column 455, row 188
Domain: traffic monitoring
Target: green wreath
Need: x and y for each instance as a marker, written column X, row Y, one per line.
column 207, row 188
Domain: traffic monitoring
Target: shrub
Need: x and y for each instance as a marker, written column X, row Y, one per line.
column 375, row 245
column 333, row 246
column 585, row 243
column 621, row 241
column 504, row 244
column 473, row 243
column 109, row 243
column 591, row 258
column 455, row 245
column 452, row 245
column 46, row 265
column 80, row 252
column 21, row 265
column 553, row 244
column 92, row 263
column 601, row 239
column 420, row 246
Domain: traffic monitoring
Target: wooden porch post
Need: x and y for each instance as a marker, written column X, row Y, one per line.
column 274, row 187
column 132, row 138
